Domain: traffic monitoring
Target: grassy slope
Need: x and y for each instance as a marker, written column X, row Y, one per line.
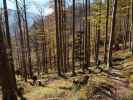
column 63, row 89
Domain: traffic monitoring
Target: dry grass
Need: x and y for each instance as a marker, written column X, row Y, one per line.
column 63, row 89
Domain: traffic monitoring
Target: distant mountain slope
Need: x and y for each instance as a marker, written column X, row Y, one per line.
column 13, row 19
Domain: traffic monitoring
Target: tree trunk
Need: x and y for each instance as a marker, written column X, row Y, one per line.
column 21, row 41
column 109, row 64
column 57, row 38
column 7, row 74
column 132, row 27
column 73, row 55
column 28, row 42
column 98, row 35
column 106, row 37
column 8, row 36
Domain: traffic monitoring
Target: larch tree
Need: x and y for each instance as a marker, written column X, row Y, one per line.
column 98, row 34
column 28, row 41
column 7, row 75
column 60, row 33
column 87, row 34
column 73, row 32
column 21, row 40
column 106, row 37
column 57, row 38
column 111, row 40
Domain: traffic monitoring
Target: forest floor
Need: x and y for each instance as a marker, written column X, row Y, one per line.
column 116, row 84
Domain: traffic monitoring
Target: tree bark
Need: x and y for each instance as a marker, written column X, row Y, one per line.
column 57, row 38
column 73, row 31
column 106, row 37
column 7, row 74
column 132, row 27
column 28, row 41
column 21, row 41
column 109, row 64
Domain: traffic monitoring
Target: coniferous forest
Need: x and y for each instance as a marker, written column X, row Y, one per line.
column 66, row 49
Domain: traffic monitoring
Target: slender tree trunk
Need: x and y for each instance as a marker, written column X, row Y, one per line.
column 8, row 36
column 73, row 55
column 109, row 64
column 132, row 26
column 44, row 57
column 7, row 74
column 124, row 35
column 57, row 38
column 61, row 29
column 64, row 35
column 87, row 35
column 98, row 35
column 17, row 51
column 21, row 41
column 128, row 28
column 37, row 56
column 28, row 42
column 95, row 38
column 106, row 37
column 94, row 41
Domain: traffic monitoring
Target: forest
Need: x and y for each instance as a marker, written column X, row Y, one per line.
column 66, row 49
